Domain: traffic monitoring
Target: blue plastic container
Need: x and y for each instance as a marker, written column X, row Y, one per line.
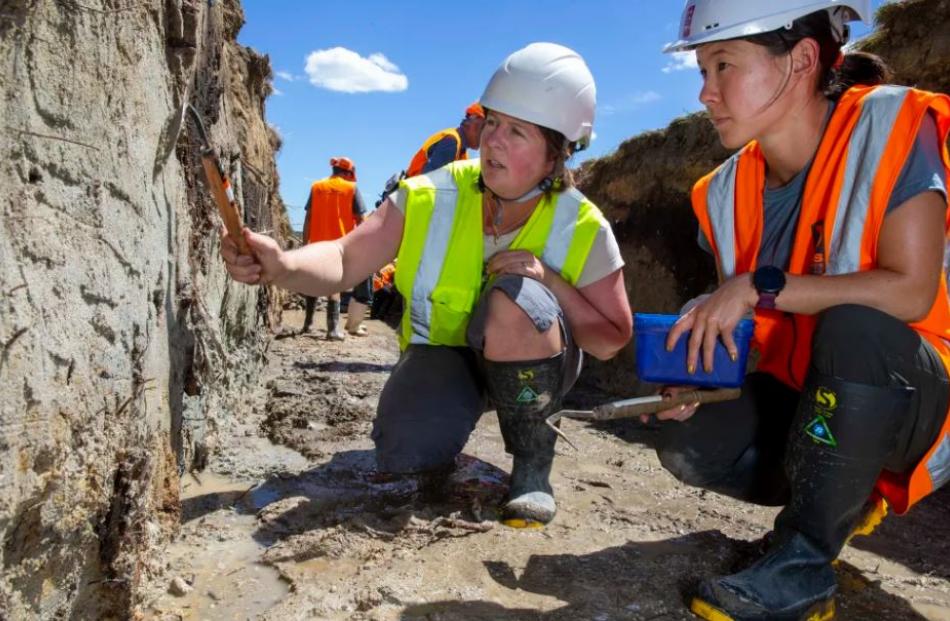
column 655, row 364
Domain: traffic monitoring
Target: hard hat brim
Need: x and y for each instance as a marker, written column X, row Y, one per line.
column 758, row 25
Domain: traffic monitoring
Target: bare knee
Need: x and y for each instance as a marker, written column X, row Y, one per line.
column 510, row 334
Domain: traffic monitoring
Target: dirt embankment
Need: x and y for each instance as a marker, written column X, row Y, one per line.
column 914, row 38
column 122, row 344
column 644, row 186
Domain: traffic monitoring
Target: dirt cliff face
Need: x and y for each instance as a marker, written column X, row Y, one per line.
column 914, row 38
column 644, row 186
column 123, row 347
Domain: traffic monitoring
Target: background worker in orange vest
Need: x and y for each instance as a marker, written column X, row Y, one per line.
column 334, row 208
column 829, row 225
column 449, row 144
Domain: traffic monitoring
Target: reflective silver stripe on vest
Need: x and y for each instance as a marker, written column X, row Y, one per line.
column 721, row 206
column 433, row 254
column 562, row 228
column 939, row 463
column 868, row 142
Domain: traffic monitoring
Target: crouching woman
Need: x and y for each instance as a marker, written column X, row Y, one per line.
column 507, row 274
column 829, row 225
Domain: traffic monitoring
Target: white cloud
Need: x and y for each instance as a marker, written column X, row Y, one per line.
column 630, row 103
column 645, row 97
column 285, row 75
column 277, row 91
column 383, row 62
column 345, row 71
column 681, row 61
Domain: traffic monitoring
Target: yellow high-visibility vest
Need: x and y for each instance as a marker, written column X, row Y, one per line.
column 440, row 264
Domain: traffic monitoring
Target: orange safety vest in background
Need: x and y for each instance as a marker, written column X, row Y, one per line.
column 331, row 209
column 421, row 158
column 384, row 277
column 859, row 160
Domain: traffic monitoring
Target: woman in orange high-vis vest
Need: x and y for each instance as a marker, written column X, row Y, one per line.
column 829, row 226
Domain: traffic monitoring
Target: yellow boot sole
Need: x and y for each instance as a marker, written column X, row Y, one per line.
column 523, row 524
column 821, row 611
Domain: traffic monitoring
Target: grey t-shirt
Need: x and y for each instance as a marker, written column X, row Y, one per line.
column 603, row 260
column 923, row 172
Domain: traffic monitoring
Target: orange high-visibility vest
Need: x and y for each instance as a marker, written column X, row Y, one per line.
column 331, row 209
column 384, row 276
column 421, row 158
column 859, row 160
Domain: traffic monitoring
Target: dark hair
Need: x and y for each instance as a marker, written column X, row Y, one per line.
column 560, row 149
column 343, row 172
column 857, row 68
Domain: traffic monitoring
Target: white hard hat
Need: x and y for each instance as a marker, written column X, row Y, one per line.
column 548, row 85
column 705, row 21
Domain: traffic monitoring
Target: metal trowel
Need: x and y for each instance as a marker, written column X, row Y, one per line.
column 628, row 408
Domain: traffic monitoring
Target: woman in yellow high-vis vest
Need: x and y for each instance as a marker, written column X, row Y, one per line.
column 507, row 274
column 829, row 226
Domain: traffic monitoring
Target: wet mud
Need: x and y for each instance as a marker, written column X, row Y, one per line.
column 292, row 521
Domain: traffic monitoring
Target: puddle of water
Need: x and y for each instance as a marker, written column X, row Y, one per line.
column 194, row 485
column 229, row 581
column 935, row 612
column 260, row 497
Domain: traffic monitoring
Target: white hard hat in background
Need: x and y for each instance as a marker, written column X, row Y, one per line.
column 548, row 85
column 705, row 21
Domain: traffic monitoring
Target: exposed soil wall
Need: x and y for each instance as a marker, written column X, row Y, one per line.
column 122, row 344
column 643, row 187
column 914, row 38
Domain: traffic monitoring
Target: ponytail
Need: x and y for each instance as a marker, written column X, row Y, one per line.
column 560, row 149
column 857, row 68
column 838, row 73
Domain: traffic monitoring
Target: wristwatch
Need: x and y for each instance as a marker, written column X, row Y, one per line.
column 769, row 281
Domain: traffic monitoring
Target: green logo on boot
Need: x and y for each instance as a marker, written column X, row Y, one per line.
column 819, row 431
column 527, row 395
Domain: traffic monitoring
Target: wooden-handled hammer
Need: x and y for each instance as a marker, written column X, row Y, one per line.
column 221, row 188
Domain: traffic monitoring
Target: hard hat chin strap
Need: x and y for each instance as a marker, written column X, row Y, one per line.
column 839, row 17
column 545, row 185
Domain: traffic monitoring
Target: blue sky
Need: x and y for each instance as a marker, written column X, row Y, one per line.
column 415, row 66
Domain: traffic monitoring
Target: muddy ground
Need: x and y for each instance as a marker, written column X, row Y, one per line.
column 290, row 521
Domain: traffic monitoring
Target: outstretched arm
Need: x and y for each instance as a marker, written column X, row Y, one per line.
column 323, row 268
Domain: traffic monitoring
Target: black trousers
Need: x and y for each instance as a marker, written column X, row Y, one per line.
column 737, row 448
column 436, row 394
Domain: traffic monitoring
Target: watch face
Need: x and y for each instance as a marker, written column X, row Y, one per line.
column 768, row 279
